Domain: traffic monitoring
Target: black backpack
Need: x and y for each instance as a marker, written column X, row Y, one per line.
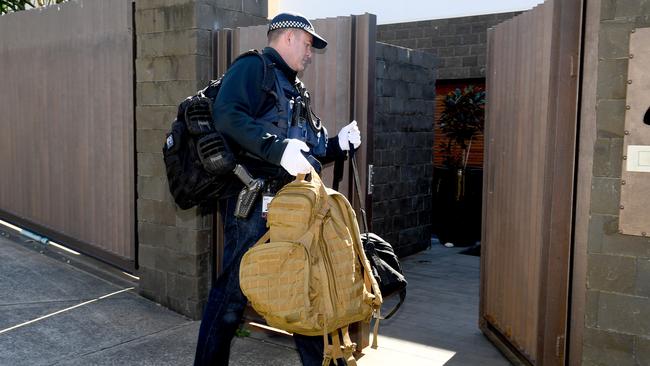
column 197, row 158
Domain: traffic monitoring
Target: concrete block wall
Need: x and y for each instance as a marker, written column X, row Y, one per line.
column 617, row 314
column 403, row 139
column 174, row 60
column 460, row 44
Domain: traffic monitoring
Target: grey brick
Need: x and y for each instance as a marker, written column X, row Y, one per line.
column 150, row 141
column 479, row 50
column 190, row 308
column 612, row 79
column 388, row 35
column 636, row 246
column 463, row 29
column 192, row 220
column 184, row 240
column 166, row 68
column 632, row 8
column 155, row 117
column 461, row 51
column 608, row 155
column 152, row 284
column 607, row 9
column 151, row 165
column 607, row 348
column 610, row 117
column 230, row 4
column 613, row 39
column 451, row 62
column 471, row 39
column 476, row 72
column 642, row 350
column 256, row 7
column 444, row 30
column 456, row 40
column 440, row 42
column 177, row 17
column 447, row 51
column 423, row 43
column 623, row 313
column 453, row 73
column 154, row 188
column 642, row 21
column 156, row 212
column 643, row 277
column 174, row 43
column 611, row 273
column 185, row 287
column 591, row 309
column 390, row 53
column 469, row 61
column 601, row 226
column 481, row 60
column 179, row 263
column 403, row 56
column 211, row 17
column 416, row 33
column 165, row 92
column 402, row 34
column 151, row 4
column 147, row 255
column 605, row 195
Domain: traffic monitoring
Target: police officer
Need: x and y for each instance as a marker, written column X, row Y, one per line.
column 256, row 123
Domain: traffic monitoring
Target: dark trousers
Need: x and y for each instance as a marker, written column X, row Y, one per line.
column 226, row 302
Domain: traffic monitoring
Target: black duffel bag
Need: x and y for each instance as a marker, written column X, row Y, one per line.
column 384, row 263
column 385, row 268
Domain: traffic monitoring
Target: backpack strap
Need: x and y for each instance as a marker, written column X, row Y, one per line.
column 341, row 347
column 268, row 78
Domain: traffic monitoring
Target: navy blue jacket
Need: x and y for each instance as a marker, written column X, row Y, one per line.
column 241, row 100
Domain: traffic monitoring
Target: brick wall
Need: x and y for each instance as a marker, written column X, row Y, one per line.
column 173, row 60
column 617, row 319
column 403, row 139
column 459, row 43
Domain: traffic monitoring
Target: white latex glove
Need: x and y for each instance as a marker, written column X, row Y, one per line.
column 350, row 134
column 293, row 161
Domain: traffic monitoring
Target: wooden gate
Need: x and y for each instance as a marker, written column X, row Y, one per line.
column 67, row 143
column 340, row 80
column 530, row 134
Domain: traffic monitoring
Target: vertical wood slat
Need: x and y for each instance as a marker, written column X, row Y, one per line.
column 68, row 125
column 529, row 162
column 587, row 140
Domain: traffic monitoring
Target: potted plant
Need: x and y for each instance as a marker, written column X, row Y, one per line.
column 462, row 118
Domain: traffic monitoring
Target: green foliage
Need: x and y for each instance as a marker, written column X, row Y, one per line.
column 242, row 332
column 463, row 117
column 7, row 6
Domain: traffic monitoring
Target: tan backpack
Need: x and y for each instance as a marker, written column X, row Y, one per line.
column 313, row 277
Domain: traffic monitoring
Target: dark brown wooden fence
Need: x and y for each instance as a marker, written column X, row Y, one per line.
column 530, row 139
column 67, row 141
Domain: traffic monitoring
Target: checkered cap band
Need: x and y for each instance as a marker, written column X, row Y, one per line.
column 290, row 24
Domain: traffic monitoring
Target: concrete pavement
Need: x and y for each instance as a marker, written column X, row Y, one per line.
column 59, row 310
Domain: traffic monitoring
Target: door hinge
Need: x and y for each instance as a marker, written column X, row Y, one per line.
column 574, row 66
column 559, row 346
column 370, row 176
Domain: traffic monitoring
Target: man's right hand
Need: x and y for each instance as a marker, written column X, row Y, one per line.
column 293, row 161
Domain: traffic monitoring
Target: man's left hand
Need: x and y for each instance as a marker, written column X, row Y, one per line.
column 350, row 134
